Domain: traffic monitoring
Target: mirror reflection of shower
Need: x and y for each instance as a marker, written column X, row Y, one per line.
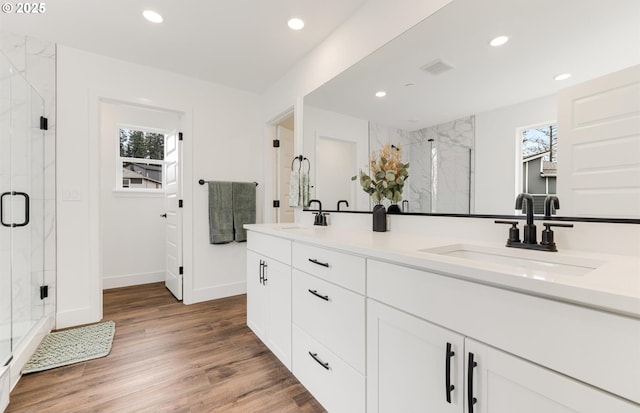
column 440, row 171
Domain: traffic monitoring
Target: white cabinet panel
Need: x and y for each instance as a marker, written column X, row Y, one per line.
column 407, row 364
column 269, row 303
column 345, row 270
column 503, row 383
column 335, row 384
column 332, row 315
column 272, row 247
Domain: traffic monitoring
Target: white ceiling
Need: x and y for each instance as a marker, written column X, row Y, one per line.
column 587, row 38
column 244, row 44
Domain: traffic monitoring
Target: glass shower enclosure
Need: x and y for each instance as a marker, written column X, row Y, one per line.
column 21, row 208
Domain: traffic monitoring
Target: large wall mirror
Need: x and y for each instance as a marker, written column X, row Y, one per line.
column 477, row 123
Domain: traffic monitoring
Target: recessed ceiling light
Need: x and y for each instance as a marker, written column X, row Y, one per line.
column 381, row 94
column 152, row 16
column 499, row 41
column 295, row 24
column 563, row 76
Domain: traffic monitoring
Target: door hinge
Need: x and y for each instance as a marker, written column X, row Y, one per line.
column 181, row 270
column 276, row 203
column 276, row 143
column 179, row 136
column 44, row 123
column 44, row 291
column 180, row 203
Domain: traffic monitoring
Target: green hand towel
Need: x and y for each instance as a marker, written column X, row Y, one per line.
column 220, row 212
column 244, row 208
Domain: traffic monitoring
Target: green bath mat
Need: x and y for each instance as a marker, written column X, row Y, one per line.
column 72, row 346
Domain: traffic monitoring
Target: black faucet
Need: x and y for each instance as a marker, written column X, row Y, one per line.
column 551, row 203
column 529, row 242
column 529, row 228
column 321, row 217
column 342, row 201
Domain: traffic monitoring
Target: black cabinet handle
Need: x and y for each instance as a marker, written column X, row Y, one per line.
column 264, row 273
column 324, row 264
column 261, row 272
column 320, row 362
column 447, row 373
column 315, row 292
column 27, row 203
column 4, row 224
column 470, row 399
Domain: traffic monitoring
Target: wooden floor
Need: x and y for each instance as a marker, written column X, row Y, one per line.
column 169, row 357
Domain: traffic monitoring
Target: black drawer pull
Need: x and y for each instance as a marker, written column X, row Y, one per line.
column 324, row 264
column 470, row 399
column 447, row 373
column 320, row 362
column 315, row 292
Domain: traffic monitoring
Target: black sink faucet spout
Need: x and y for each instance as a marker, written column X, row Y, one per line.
column 551, row 203
column 342, row 201
column 319, row 204
column 529, row 229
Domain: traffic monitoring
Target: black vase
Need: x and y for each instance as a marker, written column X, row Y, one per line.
column 379, row 218
column 394, row 209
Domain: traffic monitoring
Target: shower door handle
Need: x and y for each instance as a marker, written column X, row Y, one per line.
column 4, row 224
column 27, row 201
column 26, row 209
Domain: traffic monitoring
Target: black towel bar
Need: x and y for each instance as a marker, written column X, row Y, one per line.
column 202, row 182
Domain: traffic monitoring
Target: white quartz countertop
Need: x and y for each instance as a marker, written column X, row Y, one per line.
column 613, row 285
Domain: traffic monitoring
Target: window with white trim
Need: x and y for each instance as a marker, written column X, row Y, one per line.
column 140, row 160
column 539, row 162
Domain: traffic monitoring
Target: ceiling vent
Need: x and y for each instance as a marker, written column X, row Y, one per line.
column 437, row 67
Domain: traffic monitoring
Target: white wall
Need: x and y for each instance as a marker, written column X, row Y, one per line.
column 497, row 171
column 132, row 233
column 322, row 123
column 223, row 137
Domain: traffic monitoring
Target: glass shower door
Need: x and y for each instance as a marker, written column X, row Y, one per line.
column 22, row 190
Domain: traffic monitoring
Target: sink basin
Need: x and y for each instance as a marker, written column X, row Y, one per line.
column 531, row 263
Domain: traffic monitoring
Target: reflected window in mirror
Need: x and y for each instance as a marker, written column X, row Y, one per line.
column 539, row 156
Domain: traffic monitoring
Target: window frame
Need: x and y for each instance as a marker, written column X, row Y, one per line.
column 119, row 180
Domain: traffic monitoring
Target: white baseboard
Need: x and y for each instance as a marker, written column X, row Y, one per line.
column 127, row 280
column 27, row 347
column 218, row 291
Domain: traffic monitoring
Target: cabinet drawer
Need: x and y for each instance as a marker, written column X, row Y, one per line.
column 272, row 247
column 332, row 315
column 336, row 385
column 339, row 268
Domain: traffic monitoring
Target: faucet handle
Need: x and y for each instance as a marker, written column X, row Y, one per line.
column 547, row 234
column 514, row 232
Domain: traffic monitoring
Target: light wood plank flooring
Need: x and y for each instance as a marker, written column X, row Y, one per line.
column 169, row 357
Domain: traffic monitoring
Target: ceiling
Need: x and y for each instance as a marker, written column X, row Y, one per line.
column 244, row 44
column 587, row 38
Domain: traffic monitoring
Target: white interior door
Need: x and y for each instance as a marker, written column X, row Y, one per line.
column 285, row 155
column 172, row 196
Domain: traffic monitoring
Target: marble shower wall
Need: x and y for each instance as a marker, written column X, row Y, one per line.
column 35, row 60
column 441, row 164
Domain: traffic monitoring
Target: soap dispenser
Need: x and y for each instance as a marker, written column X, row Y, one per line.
column 379, row 218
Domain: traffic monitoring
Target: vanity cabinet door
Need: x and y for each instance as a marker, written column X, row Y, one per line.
column 269, row 303
column 412, row 365
column 503, row 383
column 256, row 296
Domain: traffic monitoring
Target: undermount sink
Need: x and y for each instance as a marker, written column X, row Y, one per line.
column 531, row 263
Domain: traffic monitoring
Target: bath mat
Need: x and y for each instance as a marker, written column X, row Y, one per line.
column 72, row 346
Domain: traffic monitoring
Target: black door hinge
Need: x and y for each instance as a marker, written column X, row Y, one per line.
column 181, row 270
column 276, row 143
column 44, row 291
column 276, row 203
column 180, row 203
column 44, row 123
column 179, row 136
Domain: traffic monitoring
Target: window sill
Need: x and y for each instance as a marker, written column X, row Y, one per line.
column 137, row 193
